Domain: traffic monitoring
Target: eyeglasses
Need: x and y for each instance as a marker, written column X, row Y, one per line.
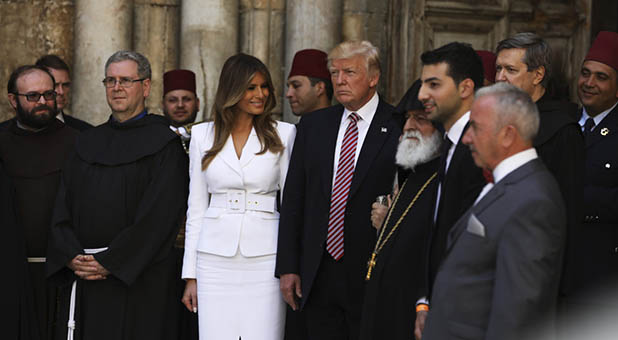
column 35, row 96
column 125, row 82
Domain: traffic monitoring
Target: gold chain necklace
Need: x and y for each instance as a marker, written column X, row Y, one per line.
column 379, row 243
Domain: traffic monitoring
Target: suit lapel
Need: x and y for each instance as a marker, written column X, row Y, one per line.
column 328, row 141
column 492, row 195
column 379, row 131
column 461, row 225
column 252, row 147
column 228, row 155
column 606, row 127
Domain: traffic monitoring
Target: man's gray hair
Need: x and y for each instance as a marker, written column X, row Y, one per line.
column 351, row 48
column 538, row 53
column 513, row 106
column 143, row 65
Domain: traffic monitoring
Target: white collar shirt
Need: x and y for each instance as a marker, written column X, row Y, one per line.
column 507, row 166
column 597, row 119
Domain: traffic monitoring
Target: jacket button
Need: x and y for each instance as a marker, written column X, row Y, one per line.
column 616, row 250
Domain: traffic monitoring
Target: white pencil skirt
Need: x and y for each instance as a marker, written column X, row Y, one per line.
column 239, row 297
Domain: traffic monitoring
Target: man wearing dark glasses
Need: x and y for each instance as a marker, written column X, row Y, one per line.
column 33, row 148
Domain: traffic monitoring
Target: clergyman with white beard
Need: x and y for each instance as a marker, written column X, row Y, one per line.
column 393, row 281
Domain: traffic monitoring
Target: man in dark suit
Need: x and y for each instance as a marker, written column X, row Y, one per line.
column 500, row 275
column 592, row 268
column 450, row 76
column 343, row 158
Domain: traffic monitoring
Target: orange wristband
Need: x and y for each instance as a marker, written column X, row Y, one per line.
column 422, row 307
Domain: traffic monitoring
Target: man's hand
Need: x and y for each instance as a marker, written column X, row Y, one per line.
column 290, row 289
column 419, row 324
column 87, row 268
column 378, row 213
column 189, row 298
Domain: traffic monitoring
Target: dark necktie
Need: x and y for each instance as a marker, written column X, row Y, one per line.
column 588, row 126
column 341, row 189
column 446, row 146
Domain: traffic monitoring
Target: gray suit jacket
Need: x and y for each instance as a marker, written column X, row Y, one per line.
column 499, row 278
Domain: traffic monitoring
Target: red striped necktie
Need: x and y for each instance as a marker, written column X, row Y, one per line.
column 341, row 188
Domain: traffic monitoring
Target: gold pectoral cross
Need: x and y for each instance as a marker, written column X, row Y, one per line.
column 370, row 264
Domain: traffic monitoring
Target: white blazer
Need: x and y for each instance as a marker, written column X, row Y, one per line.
column 232, row 204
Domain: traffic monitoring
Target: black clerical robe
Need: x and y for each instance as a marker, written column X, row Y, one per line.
column 34, row 160
column 19, row 320
column 396, row 281
column 124, row 188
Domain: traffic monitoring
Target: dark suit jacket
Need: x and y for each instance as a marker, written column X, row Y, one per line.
column 501, row 270
column 306, row 199
column 593, row 255
column 462, row 184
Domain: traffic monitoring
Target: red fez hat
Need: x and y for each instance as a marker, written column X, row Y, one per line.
column 310, row 63
column 178, row 80
column 604, row 49
column 489, row 65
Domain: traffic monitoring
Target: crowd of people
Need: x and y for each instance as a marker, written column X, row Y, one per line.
column 471, row 210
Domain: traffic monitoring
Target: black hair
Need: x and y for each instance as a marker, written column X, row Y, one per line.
column 462, row 60
column 328, row 85
column 52, row 61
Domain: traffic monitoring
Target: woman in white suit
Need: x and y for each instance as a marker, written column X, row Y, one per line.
column 238, row 164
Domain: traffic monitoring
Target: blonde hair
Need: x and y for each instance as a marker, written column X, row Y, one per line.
column 235, row 77
column 351, row 48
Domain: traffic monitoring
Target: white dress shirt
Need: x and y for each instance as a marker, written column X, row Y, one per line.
column 507, row 166
column 597, row 119
column 366, row 114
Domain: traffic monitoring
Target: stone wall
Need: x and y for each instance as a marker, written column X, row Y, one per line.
column 30, row 29
column 200, row 34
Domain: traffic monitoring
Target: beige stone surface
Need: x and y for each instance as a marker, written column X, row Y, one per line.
column 208, row 36
column 309, row 24
column 261, row 33
column 201, row 34
column 101, row 28
column 156, row 36
column 30, row 29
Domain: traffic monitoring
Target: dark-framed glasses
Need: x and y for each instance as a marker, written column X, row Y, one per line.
column 35, row 96
column 125, row 82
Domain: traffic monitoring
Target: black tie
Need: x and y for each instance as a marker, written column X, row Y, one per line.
column 446, row 146
column 588, row 127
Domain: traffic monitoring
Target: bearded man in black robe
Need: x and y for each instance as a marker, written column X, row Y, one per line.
column 34, row 147
column 392, row 283
column 122, row 195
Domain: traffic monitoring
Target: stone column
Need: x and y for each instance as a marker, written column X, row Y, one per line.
column 156, row 37
column 101, row 28
column 262, row 25
column 355, row 18
column 208, row 31
column 310, row 24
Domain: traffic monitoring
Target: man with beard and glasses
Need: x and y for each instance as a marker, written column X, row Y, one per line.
column 62, row 85
column 180, row 102
column 122, row 196
column 33, row 149
column 394, row 285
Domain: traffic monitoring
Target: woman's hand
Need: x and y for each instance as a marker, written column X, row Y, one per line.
column 189, row 298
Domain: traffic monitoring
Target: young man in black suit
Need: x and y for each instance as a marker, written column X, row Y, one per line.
column 450, row 76
column 343, row 158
